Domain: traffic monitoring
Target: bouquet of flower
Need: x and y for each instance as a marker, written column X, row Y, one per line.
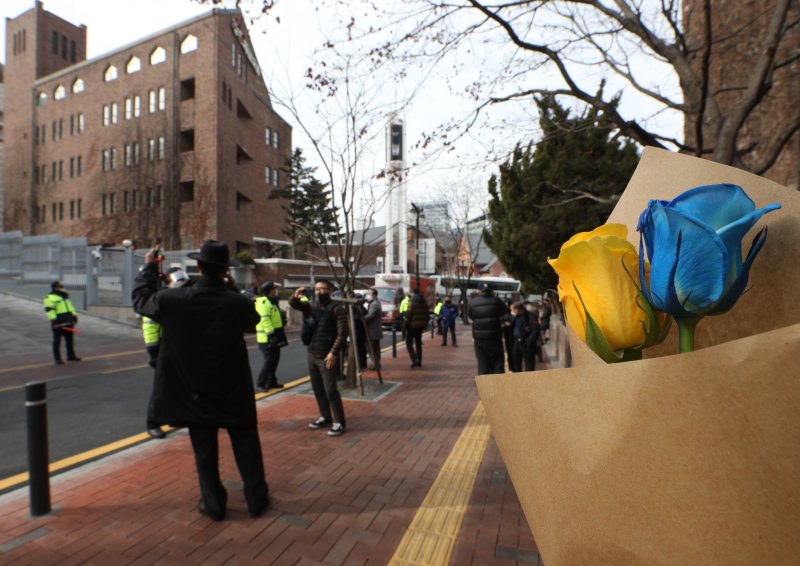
column 671, row 459
column 694, row 268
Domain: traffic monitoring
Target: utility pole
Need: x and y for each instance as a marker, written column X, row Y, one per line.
column 417, row 211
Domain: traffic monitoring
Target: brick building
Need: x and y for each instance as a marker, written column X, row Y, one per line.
column 738, row 28
column 172, row 137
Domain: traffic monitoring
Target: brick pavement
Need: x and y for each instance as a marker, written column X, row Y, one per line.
column 345, row 500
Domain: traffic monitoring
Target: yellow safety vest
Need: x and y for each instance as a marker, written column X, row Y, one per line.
column 437, row 308
column 404, row 304
column 55, row 305
column 270, row 319
column 151, row 331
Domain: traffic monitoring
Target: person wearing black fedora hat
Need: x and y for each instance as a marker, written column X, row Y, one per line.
column 203, row 378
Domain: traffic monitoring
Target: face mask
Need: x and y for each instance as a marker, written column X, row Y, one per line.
column 323, row 298
column 448, row 302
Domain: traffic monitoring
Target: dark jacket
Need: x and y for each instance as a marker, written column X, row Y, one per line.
column 330, row 332
column 418, row 313
column 525, row 329
column 203, row 374
column 486, row 312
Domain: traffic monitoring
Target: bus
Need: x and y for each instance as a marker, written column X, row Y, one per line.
column 503, row 287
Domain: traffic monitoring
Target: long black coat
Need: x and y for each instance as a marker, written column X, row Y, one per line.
column 203, row 373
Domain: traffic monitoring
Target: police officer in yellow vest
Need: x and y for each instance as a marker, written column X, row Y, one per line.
column 63, row 319
column 436, row 310
column 269, row 334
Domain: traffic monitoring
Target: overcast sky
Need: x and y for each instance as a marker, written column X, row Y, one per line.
column 284, row 51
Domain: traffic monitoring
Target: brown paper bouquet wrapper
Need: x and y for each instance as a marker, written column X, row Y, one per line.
column 675, row 459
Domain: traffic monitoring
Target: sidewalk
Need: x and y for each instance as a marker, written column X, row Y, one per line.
column 396, row 488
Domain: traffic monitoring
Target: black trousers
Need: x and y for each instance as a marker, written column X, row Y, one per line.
column 326, row 391
column 414, row 344
column 521, row 358
column 452, row 329
column 152, row 351
column 490, row 356
column 68, row 338
column 272, row 357
column 247, row 452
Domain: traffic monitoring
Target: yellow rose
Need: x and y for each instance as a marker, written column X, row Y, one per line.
column 591, row 263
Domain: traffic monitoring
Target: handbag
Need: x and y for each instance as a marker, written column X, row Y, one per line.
column 279, row 336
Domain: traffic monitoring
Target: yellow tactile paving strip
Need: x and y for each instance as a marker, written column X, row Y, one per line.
column 431, row 536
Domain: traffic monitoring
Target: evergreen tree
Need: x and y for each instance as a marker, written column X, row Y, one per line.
column 569, row 182
column 310, row 218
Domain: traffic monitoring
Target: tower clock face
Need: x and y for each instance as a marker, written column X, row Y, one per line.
column 396, row 142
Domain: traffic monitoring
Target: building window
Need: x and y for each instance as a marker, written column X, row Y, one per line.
column 128, row 155
column 55, row 130
column 53, row 213
column 134, row 65
column 137, row 105
column 275, row 178
column 106, row 114
column 112, row 203
column 268, row 174
column 137, row 154
column 72, row 52
column 71, row 167
column 81, row 123
column 113, row 162
column 233, row 54
column 61, row 129
column 44, row 174
column 269, row 137
column 151, row 100
column 151, row 149
column 60, row 93
column 159, row 55
column 128, row 108
column 71, row 209
column 72, row 124
column 162, row 147
column 126, row 201
column 189, row 44
column 78, row 86
column 43, row 138
column 162, row 98
column 114, row 112
column 104, row 160
column 53, row 175
column 79, row 207
column 224, row 93
column 275, row 139
column 60, row 169
column 137, row 197
column 41, row 100
column 110, row 74
column 78, row 173
column 60, row 211
column 54, row 45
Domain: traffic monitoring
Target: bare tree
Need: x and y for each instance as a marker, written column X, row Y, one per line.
column 666, row 55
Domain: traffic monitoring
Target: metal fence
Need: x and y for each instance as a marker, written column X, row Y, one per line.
column 105, row 273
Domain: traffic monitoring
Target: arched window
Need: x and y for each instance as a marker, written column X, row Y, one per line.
column 110, row 74
column 60, row 93
column 189, row 44
column 41, row 100
column 159, row 55
column 78, row 85
column 134, row 65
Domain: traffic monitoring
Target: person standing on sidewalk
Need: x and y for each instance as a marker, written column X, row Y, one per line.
column 447, row 320
column 524, row 339
column 270, row 336
column 325, row 334
column 487, row 313
column 63, row 319
column 416, row 323
column 203, row 378
column 152, row 340
column 374, row 327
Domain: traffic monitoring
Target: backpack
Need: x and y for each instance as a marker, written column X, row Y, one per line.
column 307, row 328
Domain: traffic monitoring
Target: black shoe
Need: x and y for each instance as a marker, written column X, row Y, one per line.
column 442, row 344
column 201, row 506
column 260, row 389
column 59, row 362
column 336, row 430
column 275, row 385
column 156, row 432
column 319, row 423
column 75, row 359
column 260, row 511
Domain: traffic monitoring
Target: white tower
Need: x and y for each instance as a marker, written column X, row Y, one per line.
column 396, row 208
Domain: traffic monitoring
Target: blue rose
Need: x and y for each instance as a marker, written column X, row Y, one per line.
column 694, row 245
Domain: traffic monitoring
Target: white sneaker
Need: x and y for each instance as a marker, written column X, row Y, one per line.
column 336, row 429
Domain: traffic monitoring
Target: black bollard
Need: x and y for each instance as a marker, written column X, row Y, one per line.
column 38, row 457
column 394, row 340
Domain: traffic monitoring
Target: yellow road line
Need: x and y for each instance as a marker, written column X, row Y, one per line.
column 100, row 451
column 431, row 536
column 47, row 365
